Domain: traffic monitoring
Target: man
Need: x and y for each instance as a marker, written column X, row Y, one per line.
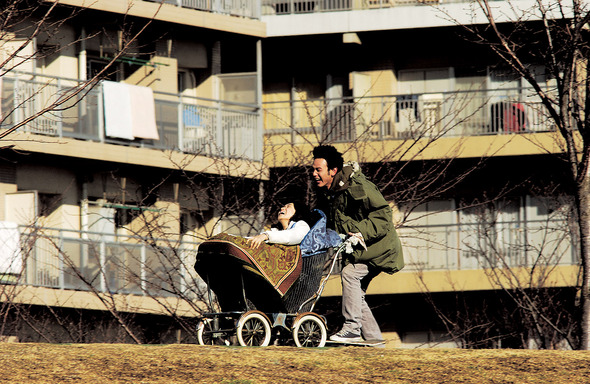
column 354, row 206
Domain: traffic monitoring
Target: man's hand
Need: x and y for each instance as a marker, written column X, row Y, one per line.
column 357, row 238
column 255, row 241
column 352, row 240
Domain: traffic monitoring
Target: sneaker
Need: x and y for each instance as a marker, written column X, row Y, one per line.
column 346, row 337
column 375, row 343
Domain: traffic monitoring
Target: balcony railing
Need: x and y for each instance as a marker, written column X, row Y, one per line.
column 112, row 263
column 193, row 125
column 541, row 244
column 107, row 263
column 469, row 113
column 286, row 7
column 244, row 8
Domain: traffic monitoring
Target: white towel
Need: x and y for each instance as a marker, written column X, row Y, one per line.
column 117, row 110
column 129, row 111
column 10, row 254
column 143, row 112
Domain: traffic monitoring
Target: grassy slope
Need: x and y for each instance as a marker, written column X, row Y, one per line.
column 120, row 363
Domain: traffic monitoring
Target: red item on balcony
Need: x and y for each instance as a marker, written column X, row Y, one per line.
column 508, row 117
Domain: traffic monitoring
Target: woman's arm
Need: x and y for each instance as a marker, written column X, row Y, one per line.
column 291, row 236
column 255, row 241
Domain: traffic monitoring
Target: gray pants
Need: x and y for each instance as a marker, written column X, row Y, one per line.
column 357, row 314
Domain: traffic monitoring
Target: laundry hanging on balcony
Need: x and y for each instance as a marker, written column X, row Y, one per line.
column 129, row 111
column 11, row 261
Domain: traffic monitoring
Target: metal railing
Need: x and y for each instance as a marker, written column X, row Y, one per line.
column 244, row 8
column 193, row 125
column 286, row 7
column 542, row 243
column 99, row 262
column 465, row 113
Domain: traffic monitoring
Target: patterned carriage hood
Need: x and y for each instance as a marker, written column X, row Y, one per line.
column 354, row 204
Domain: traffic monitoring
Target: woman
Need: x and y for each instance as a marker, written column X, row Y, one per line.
column 291, row 227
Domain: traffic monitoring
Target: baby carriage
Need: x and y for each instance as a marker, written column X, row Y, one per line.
column 267, row 294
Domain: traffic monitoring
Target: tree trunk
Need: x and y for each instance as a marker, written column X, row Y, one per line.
column 583, row 192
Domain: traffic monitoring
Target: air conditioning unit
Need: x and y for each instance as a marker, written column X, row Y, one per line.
column 431, row 110
column 418, row 115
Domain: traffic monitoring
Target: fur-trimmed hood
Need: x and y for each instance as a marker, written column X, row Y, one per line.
column 343, row 178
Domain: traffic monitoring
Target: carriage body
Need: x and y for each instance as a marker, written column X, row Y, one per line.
column 264, row 295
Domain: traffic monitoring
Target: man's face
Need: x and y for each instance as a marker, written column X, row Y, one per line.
column 322, row 175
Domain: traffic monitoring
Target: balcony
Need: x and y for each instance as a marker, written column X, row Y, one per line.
column 118, row 264
column 517, row 244
column 196, row 126
column 474, row 257
column 285, row 7
column 103, row 263
column 234, row 16
column 313, row 17
column 405, row 117
column 244, row 8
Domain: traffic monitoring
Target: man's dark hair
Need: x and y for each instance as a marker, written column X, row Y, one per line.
column 330, row 154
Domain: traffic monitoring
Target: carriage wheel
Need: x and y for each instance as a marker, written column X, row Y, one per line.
column 253, row 329
column 309, row 330
column 208, row 333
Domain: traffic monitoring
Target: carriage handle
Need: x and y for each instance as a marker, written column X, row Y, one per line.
column 324, row 281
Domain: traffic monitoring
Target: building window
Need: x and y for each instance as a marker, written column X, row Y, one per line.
column 94, row 66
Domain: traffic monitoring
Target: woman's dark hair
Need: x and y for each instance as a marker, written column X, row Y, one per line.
column 302, row 212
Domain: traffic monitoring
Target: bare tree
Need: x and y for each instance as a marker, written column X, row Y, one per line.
column 29, row 32
column 523, row 309
column 27, row 29
column 553, row 35
column 229, row 203
column 248, row 203
column 159, row 223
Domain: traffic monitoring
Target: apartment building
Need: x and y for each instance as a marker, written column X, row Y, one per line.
column 459, row 145
column 106, row 195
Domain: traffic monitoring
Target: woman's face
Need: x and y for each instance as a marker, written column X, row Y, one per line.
column 287, row 211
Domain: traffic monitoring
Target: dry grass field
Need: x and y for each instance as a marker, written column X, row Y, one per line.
column 121, row 363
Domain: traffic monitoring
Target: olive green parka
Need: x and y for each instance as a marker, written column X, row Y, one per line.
column 354, row 204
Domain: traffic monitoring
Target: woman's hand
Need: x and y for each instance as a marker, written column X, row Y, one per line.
column 255, row 241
